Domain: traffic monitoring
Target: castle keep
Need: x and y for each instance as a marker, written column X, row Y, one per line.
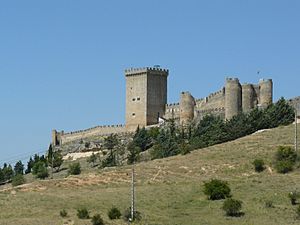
column 146, row 103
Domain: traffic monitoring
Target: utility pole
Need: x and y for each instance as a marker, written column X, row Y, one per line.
column 132, row 194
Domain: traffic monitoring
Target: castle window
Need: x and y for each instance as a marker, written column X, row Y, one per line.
column 133, row 99
column 133, row 114
column 138, row 99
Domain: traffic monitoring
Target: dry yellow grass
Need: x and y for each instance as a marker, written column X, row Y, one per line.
column 169, row 191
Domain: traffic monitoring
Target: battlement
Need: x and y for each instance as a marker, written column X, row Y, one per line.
column 138, row 71
column 96, row 127
column 217, row 93
column 172, row 104
column 232, row 79
column 264, row 80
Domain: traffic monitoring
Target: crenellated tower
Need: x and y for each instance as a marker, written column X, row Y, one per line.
column 265, row 92
column 248, row 97
column 187, row 108
column 233, row 97
column 146, row 96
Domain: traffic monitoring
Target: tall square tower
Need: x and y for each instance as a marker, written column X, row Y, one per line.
column 146, row 96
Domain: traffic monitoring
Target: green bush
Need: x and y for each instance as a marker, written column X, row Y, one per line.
column 83, row 213
column 293, row 196
column 74, row 169
column 114, row 213
column 259, row 165
column 286, row 153
column 269, row 204
column 40, row 170
column 97, row 220
column 216, row 189
column 127, row 215
column 284, row 166
column 232, row 207
column 285, row 158
column 18, row 180
column 63, row 213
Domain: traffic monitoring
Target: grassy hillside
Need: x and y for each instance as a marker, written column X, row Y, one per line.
column 169, row 191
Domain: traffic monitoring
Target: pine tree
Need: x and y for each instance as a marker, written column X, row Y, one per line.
column 30, row 164
column 19, row 168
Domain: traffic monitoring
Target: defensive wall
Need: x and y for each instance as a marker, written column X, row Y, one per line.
column 59, row 138
column 232, row 99
column 146, row 103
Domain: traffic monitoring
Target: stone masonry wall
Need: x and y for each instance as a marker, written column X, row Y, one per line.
column 95, row 131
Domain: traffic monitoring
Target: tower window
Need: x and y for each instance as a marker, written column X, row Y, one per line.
column 133, row 99
column 133, row 114
column 138, row 99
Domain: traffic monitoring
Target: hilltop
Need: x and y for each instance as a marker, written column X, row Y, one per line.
column 170, row 190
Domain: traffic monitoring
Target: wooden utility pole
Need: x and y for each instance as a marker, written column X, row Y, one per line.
column 132, row 194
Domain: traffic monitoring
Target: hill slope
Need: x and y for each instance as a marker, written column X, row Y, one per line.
column 169, row 191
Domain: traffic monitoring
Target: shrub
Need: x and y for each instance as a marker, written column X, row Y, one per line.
column 293, row 196
column 259, row 165
column 285, row 153
column 83, row 213
column 18, row 180
column 127, row 215
column 63, row 213
column 284, row 166
column 269, row 204
column 216, row 189
column 97, row 220
column 185, row 149
column 74, row 169
column 232, row 207
column 40, row 170
column 114, row 213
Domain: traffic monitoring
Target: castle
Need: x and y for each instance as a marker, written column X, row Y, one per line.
column 146, row 103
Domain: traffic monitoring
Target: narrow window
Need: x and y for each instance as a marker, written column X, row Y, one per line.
column 133, row 114
column 138, row 98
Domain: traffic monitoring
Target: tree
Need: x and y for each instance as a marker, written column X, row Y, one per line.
column 111, row 141
column 7, row 172
column 133, row 153
column 54, row 158
column 18, row 180
column 232, row 207
column 92, row 159
column 40, row 170
column 19, row 168
column 30, row 164
column 216, row 189
column 141, row 139
column 1, row 176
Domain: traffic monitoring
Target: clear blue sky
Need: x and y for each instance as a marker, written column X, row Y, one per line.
column 62, row 61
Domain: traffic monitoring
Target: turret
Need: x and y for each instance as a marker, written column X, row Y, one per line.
column 265, row 92
column 187, row 106
column 233, row 97
column 247, row 97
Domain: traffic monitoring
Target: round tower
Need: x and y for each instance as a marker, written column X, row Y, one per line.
column 233, row 97
column 265, row 92
column 247, row 97
column 187, row 106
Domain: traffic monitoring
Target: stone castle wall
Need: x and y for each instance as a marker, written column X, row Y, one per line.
column 146, row 101
column 59, row 138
